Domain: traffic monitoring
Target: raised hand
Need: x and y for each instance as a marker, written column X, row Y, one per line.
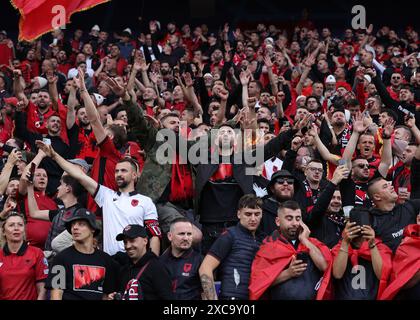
column 388, row 127
column 46, row 148
column 187, row 79
column 115, row 86
column 350, row 232
column 267, row 61
column 359, row 125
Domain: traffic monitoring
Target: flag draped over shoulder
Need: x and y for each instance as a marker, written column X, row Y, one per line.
column 406, row 262
column 40, row 16
column 274, row 256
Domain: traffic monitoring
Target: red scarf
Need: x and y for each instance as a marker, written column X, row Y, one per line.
column 274, row 255
column 364, row 253
column 406, row 262
column 181, row 182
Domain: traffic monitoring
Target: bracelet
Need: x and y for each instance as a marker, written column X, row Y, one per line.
column 82, row 90
column 341, row 249
column 373, row 246
column 384, row 137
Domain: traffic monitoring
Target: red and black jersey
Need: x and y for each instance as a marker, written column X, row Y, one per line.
column 21, row 271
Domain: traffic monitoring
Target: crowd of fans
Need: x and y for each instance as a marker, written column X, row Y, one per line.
column 89, row 211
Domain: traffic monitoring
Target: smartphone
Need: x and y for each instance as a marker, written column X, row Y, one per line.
column 302, row 256
column 46, row 141
column 360, row 216
column 32, row 172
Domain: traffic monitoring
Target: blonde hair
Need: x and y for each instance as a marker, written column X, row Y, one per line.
column 3, row 239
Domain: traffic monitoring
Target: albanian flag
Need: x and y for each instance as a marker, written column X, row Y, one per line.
column 38, row 17
column 406, row 262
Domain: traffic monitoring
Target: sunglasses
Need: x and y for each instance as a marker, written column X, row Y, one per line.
column 362, row 166
column 396, row 78
column 283, row 180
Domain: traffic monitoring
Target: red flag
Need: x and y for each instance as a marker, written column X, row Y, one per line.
column 406, row 262
column 274, row 256
column 41, row 16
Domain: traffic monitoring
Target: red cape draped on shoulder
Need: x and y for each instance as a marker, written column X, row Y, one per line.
column 364, row 252
column 406, row 262
column 274, row 255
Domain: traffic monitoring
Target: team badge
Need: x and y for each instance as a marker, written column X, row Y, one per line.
column 134, row 202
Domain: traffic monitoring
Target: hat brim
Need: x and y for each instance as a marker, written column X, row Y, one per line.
column 69, row 221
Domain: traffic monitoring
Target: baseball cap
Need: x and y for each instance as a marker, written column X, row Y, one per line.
column 397, row 54
column 13, row 101
column 83, row 214
column 280, row 174
column 96, row 28
column 99, row 98
column 330, row 79
column 212, row 34
column 208, row 75
column 300, row 97
column 368, row 78
column 128, row 30
column 42, row 81
column 3, row 32
column 132, row 231
column 81, row 162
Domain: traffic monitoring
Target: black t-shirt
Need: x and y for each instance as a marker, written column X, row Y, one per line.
column 220, row 196
column 304, row 287
column 357, row 285
column 183, row 271
column 389, row 226
column 87, row 276
column 153, row 283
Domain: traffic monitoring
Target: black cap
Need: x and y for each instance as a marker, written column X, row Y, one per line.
column 212, row 34
column 280, row 174
column 132, row 231
column 83, row 214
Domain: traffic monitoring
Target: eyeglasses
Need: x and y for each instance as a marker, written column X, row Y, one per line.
column 320, row 170
column 362, row 166
column 283, row 180
column 396, row 78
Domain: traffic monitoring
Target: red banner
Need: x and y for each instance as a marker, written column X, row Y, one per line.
column 41, row 16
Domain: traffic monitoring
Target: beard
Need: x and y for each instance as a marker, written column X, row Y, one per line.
column 122, row 184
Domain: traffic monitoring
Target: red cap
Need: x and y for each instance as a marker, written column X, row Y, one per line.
column 12, row 101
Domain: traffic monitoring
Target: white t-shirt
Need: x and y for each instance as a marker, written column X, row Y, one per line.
column 118, row 211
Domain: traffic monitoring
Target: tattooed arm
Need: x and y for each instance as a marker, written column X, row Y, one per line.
column 210, row 263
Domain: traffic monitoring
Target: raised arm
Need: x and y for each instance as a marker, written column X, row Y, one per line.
column 52, row 89
column 91, row 111
column 23, row 182
column 308, row 65
column 19, row 86
column 322, row 149
column 73, row 170
column 72, row 102
column 245, row 77
column 190, row 94
column 359, row 126
column 12, row 160
column 386, row 156
column 269, row 65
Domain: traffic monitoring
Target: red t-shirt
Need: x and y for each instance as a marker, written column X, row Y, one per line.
column 37, row 230
column 19, row 272
column 6, row 53
column 103, row 169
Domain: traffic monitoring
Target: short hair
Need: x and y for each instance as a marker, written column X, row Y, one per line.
column 314, row 161
column 391, row 113
column 133, row 162
column 250, row 201
column 289, row 204
column 353, row 103
column 263, row 121
column 172, row 114
column 77, row 188
column 258, row 83
column 178, row 220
